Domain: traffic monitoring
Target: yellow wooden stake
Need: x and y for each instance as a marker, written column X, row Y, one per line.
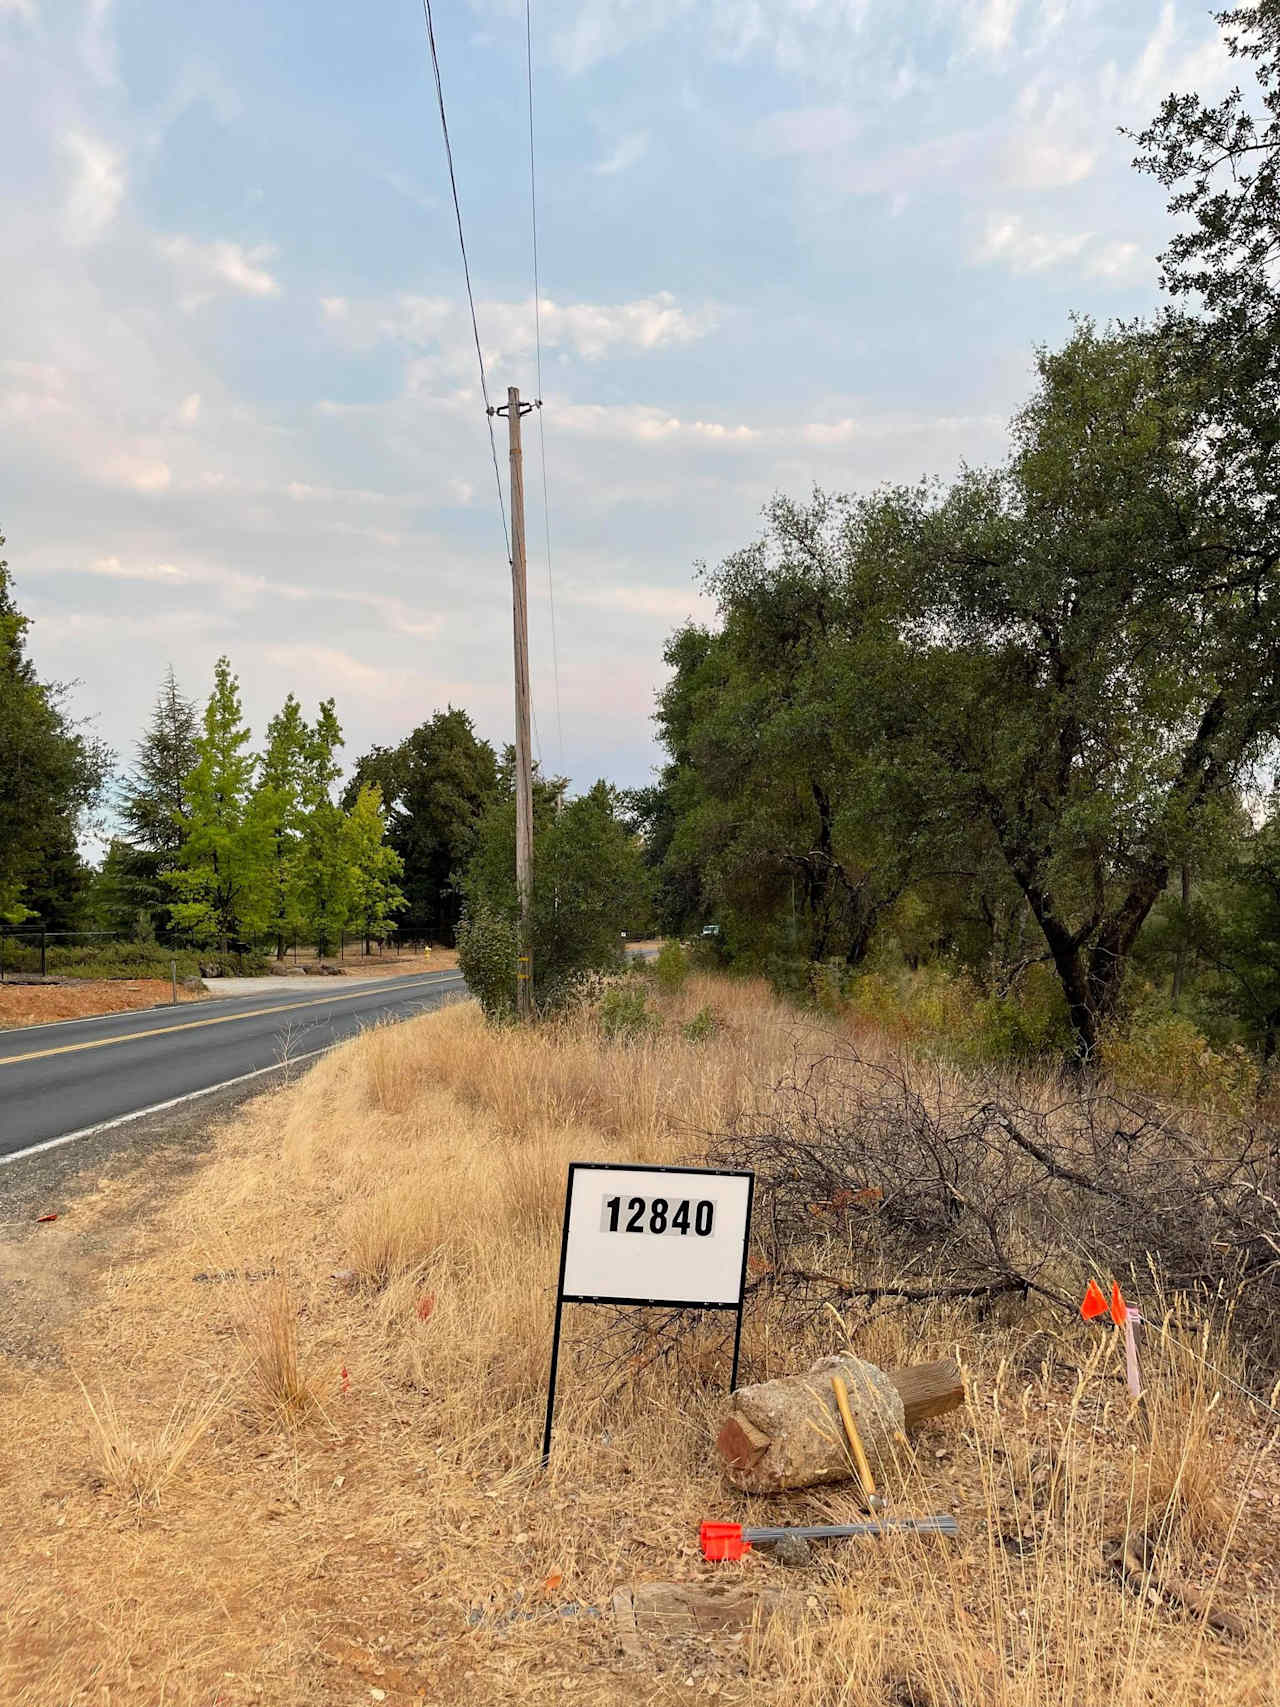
column 856, row 1447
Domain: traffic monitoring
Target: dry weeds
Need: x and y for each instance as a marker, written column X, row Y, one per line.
column 360, row 1517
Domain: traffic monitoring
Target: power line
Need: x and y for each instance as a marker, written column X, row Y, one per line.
column 466, row 272
column 537, row 333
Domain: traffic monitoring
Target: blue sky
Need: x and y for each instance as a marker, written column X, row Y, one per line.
column 782, row 242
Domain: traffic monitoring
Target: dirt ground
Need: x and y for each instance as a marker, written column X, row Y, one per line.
column 39, row 1004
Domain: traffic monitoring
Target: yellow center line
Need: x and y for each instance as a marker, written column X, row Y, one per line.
column 197, row 1024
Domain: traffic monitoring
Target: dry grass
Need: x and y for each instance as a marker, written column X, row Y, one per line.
column 142, row 1466
column 361, row 1518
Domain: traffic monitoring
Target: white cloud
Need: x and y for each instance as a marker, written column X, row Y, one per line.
column 141, row 473
column 1168, row 62
column 671, row 604
column 629, row 151
column 97, row 186
column 209, row 266
column 24, row 9
column 1120, row 260
column 115, row 570
column 97, row 44
column 989, row 25
column 1008, row 240
column 806, row 130
column 587, row 329
column 301, row 492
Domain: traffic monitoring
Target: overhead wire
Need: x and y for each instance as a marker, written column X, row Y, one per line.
column 537, row 333
column 466, row 273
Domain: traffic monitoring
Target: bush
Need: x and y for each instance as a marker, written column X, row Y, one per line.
column 704, row 1025
column 1028, row 1022
column 623, row 1014
column 1165, row 1055
column 488, row 951
column 99, row 959
column 672, row 966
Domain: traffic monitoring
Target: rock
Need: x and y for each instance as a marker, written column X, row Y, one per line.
column 792, row 1550
column 788, row 1433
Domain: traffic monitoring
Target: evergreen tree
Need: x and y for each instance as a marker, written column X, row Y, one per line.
column 436, row 786
column 590, row 887
column 222, row 879
column 153, row 801
column 50, row 774
column 153, row 806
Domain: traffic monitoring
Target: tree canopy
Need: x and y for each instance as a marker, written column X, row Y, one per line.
column 1048, row 679
column 51, row 773
column 436, row 785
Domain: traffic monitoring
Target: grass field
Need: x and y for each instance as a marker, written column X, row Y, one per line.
column 284, row 1448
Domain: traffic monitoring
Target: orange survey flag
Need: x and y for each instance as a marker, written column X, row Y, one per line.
column 1118, row 1310
column 1095, row 1301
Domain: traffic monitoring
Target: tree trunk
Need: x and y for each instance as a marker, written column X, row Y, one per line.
column 1180, row 963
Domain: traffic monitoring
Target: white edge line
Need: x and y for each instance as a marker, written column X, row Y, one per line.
column 173, row 1102
column 159, row 1107
column 168, row 1007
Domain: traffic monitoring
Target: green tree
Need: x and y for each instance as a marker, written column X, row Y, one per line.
column 221, row 883
column 1237, row 929
column 590, row 885
column 51, row 774
column 436, row 786
column 152, row 805
column 1067, row 656
column 1045, row 682
column 773, row 817
column 325, row 885
column 283, row 781
column 376, row 896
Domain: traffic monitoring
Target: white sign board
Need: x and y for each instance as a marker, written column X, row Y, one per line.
column 655, row 1236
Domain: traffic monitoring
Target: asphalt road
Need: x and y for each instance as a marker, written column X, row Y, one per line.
column 71, row 1079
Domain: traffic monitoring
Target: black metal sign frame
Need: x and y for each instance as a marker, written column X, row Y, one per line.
column 664, row 1303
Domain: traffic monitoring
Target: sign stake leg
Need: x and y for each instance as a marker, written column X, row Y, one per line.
column 551, row 1386
column 737, row 1347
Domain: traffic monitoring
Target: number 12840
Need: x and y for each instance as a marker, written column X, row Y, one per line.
column 659, row 1215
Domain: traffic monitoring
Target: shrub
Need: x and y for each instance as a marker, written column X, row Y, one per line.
column 704, row 1025
column 672, row 966
column 1027, row 1022
column 1165, row 1055
column 488, row 950
column 624, row 1016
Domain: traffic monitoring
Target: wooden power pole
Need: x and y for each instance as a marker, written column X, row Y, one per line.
column 513, row 410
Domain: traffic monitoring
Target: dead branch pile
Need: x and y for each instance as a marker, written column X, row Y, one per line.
column 893, row 1180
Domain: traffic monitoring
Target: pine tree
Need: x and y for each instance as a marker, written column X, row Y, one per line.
column 153, row 802
column 222, row 879
column 49, row 774
column 375, row 868
column 153, row 806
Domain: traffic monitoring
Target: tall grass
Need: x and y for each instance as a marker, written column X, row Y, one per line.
column 373, row 1515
